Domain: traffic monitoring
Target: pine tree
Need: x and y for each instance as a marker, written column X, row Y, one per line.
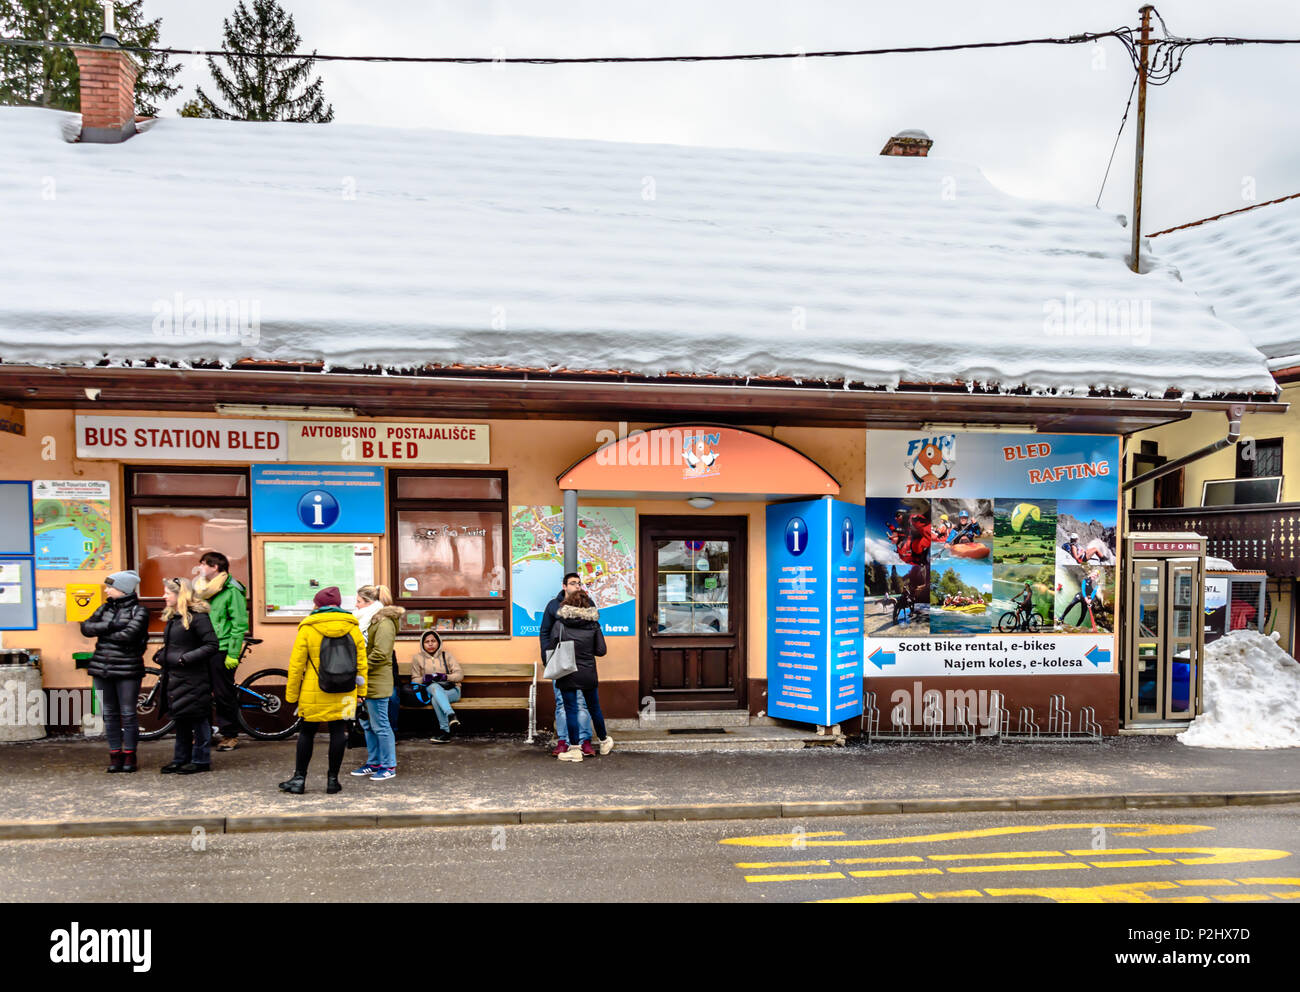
column 265, row 89
column 48, row 77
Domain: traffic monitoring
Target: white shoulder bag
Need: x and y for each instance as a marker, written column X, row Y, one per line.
column 560, row 660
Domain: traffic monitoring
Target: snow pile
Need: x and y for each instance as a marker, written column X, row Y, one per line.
column 1248, row 267
column 1213, row 564
column 1252, row 695
column 369, row 247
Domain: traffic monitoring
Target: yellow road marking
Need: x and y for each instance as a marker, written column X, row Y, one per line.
column 883, row 897
column 1126, row 892
column 782, row 864
column 1286, row 895
column 954, row 894
column 999, row 854
column 1206, row 881
column 1123, row 892
column 886, row 872
column 1099, row 852
column 897, row 859
column 1223, row 855
column 1134, row 863
column 1041, row 866
column 805, row 877
column 1243, row 897
column 1123, row 829
column 1269, row 881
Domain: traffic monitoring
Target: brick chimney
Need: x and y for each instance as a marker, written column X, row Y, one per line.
column 107, row 87
column 909, row 142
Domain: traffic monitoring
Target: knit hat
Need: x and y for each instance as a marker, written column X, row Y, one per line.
column 328, row 597
column 127, row 581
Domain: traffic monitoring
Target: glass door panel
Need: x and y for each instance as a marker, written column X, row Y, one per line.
column 1182, row 634
column 693, row 579
column 1149, row 635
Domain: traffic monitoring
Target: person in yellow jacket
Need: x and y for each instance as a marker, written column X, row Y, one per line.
column 316, row 706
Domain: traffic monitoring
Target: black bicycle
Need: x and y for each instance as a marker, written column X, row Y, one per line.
column 262, row 711
column 1013, row 622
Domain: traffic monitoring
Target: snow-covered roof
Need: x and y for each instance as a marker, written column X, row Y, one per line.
column 382, row 247
column 1247, row 266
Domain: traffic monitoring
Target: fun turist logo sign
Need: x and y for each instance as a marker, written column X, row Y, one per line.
column 990, row 554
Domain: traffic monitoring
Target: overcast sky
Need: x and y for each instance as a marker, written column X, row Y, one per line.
column 1040, row 122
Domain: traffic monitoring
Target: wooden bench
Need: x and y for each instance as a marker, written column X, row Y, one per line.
column 490, row 673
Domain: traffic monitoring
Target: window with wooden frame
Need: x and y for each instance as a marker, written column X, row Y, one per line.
column 449, row 537
column 175, row 515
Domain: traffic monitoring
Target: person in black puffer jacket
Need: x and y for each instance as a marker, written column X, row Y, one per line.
column 578, row 621
column 121, row 631
column 190, row 646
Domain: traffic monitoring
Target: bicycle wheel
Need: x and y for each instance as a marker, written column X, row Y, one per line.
column 1007, row 623
column 1035, row 623
column 263, row 713
column 152, row 724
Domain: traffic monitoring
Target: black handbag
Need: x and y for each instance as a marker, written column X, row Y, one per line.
column 356, row 735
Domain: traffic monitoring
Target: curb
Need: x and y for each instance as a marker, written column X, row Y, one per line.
column 57, row 829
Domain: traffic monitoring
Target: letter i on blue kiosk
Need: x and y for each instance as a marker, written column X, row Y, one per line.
column 815, row 564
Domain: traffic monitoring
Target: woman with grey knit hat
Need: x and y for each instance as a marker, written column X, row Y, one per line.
column 121, row 631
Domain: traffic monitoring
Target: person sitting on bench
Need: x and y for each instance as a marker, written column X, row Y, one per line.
column 436, row 668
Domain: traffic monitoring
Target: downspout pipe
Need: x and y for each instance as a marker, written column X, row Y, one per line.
column 1234, row 415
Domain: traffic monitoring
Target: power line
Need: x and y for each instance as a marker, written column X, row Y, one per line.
column 1122, row 122
column 1076, row 39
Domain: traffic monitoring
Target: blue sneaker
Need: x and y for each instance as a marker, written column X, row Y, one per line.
column 365, row 771
column 383, row 774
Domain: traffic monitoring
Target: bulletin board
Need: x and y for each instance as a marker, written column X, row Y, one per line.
column 295, row 569
column 17, row 594
column 16, row 519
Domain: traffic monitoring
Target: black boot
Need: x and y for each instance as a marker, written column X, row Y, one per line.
column 332, row 784
column 296, row 785
column 114, row 761
column 128, row 761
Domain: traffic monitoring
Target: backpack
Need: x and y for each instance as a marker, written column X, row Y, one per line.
column 338, row 664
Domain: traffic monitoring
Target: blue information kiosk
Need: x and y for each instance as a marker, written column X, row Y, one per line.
column 815, row 564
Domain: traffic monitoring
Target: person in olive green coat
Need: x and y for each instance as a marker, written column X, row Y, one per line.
column 228, row 610
column 379, row 619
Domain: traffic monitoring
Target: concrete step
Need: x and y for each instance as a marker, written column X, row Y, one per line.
column 684, row 720
column 786, row 738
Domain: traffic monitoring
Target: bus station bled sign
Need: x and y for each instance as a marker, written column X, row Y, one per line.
column 222, row 439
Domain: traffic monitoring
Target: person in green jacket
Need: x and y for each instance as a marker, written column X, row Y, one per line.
column 228, row 602
column 379, row 620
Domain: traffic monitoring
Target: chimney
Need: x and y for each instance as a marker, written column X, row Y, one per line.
column 107, row 87
column 909, row 142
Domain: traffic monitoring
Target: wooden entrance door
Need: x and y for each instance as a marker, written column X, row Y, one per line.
column 692, row 609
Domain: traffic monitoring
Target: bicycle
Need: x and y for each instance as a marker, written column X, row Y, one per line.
column 262, row 711
column 1011, row 622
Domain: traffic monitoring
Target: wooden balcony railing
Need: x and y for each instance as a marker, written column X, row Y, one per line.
column 1263, row 536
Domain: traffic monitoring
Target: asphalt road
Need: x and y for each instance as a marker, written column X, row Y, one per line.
column 1222, row 854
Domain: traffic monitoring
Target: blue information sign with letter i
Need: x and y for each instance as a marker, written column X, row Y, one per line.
column 815, row 573
column 318, row 499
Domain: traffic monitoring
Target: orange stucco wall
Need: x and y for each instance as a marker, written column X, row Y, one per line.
column 532, row 452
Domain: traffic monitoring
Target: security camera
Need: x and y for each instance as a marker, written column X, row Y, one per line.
column 92, row 394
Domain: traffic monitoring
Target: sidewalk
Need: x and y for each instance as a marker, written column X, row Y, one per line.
column 64, row 780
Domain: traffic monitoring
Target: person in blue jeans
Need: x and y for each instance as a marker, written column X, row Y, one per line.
column 578, row 620
column 437, row 672
column 572, row 583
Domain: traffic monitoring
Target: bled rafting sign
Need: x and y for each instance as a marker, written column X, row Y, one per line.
column 990, row 554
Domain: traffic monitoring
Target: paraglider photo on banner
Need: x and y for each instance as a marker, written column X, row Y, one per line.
column 897, row 541
column 961, row 529
column 1024, row 532
column 960, row 594
column 1085, row 532
column 1016, row 587
column 1085, row 599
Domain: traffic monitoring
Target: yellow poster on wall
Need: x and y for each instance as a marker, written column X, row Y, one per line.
column 83, row 600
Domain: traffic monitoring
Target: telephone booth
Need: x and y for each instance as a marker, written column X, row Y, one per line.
column 1165, row 633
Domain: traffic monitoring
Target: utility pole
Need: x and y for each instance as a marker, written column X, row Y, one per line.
column 1141, row 137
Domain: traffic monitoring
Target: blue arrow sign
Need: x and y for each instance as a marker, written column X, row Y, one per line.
column 880, row 657
column 1097, row 656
